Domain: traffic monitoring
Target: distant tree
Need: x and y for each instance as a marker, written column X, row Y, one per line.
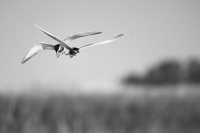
column 167, row 72
column 133, row 79
column 193, row 72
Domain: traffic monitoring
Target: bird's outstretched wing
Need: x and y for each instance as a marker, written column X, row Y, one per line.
column 36, row 49
column 55, row 38
column 104, row 42
column 80, row 34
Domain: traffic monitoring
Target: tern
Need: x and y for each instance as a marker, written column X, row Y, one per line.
column 62, row 46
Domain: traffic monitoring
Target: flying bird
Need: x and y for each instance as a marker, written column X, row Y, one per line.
column 62, row 46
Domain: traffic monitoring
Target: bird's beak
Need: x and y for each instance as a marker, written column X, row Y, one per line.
column 57, row 55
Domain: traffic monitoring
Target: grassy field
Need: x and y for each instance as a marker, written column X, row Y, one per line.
column 117, row 113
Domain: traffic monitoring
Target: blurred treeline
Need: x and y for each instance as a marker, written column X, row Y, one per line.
column 100, row 114
column 168, row 72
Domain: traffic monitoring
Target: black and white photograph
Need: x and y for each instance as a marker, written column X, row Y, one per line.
column 100, row 66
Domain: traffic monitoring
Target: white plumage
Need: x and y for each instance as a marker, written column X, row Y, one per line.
column 62, row 46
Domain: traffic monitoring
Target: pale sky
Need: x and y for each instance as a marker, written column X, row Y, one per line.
column 153, row 30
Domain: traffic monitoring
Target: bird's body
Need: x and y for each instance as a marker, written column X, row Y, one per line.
column 62, row 46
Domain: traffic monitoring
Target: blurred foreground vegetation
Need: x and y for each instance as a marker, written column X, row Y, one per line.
column 117, row 113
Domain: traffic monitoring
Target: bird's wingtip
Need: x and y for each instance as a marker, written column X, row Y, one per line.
column 33, row 23
column 96, row 32
column 119, row 35
column 23, row 61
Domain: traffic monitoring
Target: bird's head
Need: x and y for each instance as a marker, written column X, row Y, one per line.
column 59, row 49
column 76, row 49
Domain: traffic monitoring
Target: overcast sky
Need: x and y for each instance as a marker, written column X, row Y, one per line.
column 153, row 30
